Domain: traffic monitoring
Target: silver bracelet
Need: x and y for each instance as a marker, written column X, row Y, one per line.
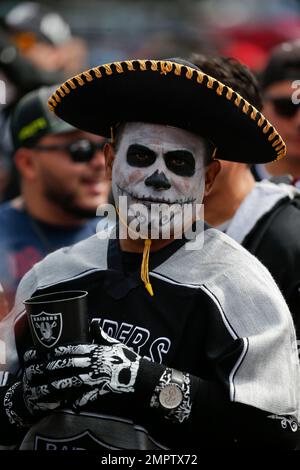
column 13, row 417
column 172, row 395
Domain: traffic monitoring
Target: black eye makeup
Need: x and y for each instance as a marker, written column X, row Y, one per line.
column 180, row 162
column 140, row 156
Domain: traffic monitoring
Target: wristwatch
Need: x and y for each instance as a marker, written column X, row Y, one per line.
column 171, row 396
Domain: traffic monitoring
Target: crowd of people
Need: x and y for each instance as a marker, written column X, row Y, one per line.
column 193, row 336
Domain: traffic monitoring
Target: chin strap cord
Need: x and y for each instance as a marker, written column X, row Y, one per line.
column 145, row 267
column 145, row 261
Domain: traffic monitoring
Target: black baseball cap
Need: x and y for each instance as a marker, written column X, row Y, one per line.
column 42, row 21
column 283, row 64
column 32, row 119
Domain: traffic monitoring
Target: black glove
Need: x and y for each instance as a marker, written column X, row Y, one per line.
column 81, row 375
column 76, row 374
column 23, row 399
column 14, row 407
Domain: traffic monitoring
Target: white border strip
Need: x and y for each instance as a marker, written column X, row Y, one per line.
column 235, row 368
column 170, row 281
column 3, row 378
column 203, row 288
column 226, row 323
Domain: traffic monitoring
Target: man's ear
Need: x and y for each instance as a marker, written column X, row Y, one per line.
column 25, row 161
column 109, row 154
column 211, row 172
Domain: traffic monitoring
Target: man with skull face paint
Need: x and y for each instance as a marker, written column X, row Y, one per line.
column 165, row 169
column 205, row 354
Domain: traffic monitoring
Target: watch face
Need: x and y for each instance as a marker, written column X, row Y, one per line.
column 170, row 396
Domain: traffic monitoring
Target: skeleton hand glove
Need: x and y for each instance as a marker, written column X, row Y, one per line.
column 88, row 373
column 75, row 374
column 79, row 374
column 14, row 407
column 21, row 399
column 125, row 372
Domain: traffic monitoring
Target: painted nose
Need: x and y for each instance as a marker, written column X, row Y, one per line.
column 158, row 181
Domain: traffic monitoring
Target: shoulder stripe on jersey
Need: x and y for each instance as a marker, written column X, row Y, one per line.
column 236, row 367
column 234, row 336
column 208, row 292
column 223, row 316
column 226, row 323
column 171, row 281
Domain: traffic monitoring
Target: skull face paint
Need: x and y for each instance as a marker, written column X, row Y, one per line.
column 159, row 167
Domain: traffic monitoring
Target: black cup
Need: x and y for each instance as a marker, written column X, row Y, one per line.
column 58, row 318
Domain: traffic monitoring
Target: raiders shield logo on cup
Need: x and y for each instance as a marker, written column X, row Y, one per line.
column 47, row 328
column 69, row 326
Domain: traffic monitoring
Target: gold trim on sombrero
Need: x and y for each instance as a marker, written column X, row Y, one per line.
column 254, row 114
column 97, row 72
column 271, row 136
column 130, row 65
column 88, row 76
column 229, row 93
column 107, row 68
column 52, row 103
column 61, row 92
column 238, row 100
column 165, row 67
column 65, row 88
column 119, row 67
column 143, row 65
column 220, row 89
column 246, row 107
column 57, row 97
column 261, row 120
column 71, row 83
column 80, row 79
column 177, row 70
column 267, row 127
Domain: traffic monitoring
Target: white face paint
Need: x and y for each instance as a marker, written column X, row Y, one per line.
column 158, row 166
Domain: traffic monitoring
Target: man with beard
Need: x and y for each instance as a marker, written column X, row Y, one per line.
column 63, row 182
column 193, row 345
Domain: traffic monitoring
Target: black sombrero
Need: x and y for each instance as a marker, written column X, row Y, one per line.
column 172, row 92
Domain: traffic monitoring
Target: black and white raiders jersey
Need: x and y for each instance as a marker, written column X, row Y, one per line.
column 216, row 313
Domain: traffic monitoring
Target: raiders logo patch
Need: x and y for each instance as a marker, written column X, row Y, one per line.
column 47, row 327
column 84, row 441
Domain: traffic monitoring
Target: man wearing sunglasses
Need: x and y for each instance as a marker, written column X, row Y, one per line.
column 263, row 216
column 281, row 106
column 62, row 183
